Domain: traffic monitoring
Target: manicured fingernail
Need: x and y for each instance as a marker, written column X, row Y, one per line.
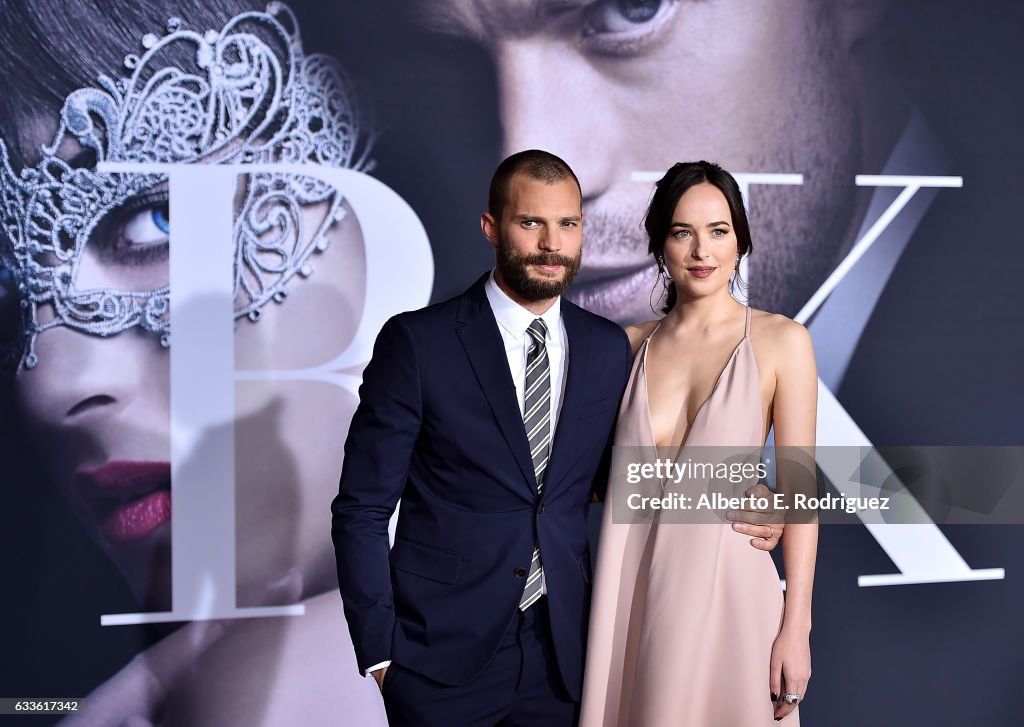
column 775, row 696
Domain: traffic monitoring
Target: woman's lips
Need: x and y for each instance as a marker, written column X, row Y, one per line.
column 137, row 519
column 129, row 500
column 700, row 271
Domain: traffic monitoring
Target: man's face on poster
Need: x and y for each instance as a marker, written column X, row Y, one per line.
column 617, row 87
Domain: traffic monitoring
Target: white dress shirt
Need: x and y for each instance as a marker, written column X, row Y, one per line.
column 513, row 320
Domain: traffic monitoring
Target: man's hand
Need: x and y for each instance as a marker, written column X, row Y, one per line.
column 764, row 526
column 379, row 676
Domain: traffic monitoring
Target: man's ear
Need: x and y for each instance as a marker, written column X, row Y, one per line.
column 489, row 226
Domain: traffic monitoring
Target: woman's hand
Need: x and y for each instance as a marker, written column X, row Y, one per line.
column 790, row 668
column 135, row 696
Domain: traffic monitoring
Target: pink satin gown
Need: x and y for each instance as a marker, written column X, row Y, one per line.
column 684, row 615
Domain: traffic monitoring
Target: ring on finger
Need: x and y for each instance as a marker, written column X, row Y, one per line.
column 792, row 698
column 772, row 531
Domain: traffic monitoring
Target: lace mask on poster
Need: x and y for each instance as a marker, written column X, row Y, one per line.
column 88, row 250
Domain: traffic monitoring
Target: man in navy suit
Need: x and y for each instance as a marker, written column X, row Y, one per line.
column 489, row 416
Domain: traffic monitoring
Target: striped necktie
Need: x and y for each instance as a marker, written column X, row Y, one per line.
column 537, row 418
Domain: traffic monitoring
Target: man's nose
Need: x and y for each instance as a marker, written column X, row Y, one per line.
column 551, row 99
column 549, row 241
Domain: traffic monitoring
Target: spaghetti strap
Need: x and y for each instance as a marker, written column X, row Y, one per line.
column 655, row 329
column 746, row 326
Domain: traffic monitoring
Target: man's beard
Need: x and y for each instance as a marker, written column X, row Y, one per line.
column 515, row 271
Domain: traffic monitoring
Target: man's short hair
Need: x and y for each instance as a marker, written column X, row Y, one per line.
column 535, row 164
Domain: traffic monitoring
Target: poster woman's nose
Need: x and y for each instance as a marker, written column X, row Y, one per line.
column 83, row 380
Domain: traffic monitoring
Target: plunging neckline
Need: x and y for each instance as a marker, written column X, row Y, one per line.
column 714, row 389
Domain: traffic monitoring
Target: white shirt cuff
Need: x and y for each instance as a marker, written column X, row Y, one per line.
column 377, row 667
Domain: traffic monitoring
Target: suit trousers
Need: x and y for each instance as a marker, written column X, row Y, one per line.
column 520, row 687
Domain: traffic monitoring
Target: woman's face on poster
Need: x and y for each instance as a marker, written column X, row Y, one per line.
column 97, row 408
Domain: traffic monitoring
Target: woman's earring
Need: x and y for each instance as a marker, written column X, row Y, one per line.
column 736, row 283
column 665, row 281
column 663, row 270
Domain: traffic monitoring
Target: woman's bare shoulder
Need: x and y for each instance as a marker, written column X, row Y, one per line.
column 637, row 332
column 781, row 338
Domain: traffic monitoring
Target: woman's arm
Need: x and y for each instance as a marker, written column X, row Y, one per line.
column 795, row 408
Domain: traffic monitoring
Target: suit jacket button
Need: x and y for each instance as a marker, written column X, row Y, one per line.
column 519, row 573
column 540, row 508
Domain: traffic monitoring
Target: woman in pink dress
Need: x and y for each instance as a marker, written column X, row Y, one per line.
column 689, row 625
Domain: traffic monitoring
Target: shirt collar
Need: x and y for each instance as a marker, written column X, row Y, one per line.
column 513, row 317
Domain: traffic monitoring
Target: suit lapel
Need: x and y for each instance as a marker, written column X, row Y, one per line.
column 478, row 331
column 575, row 391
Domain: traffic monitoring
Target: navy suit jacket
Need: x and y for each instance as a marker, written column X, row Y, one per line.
column 439, row 426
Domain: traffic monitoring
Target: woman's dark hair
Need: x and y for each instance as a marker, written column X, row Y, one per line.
column 669, row 190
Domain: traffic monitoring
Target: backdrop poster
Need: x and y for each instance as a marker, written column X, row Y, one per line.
column 181, row 307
